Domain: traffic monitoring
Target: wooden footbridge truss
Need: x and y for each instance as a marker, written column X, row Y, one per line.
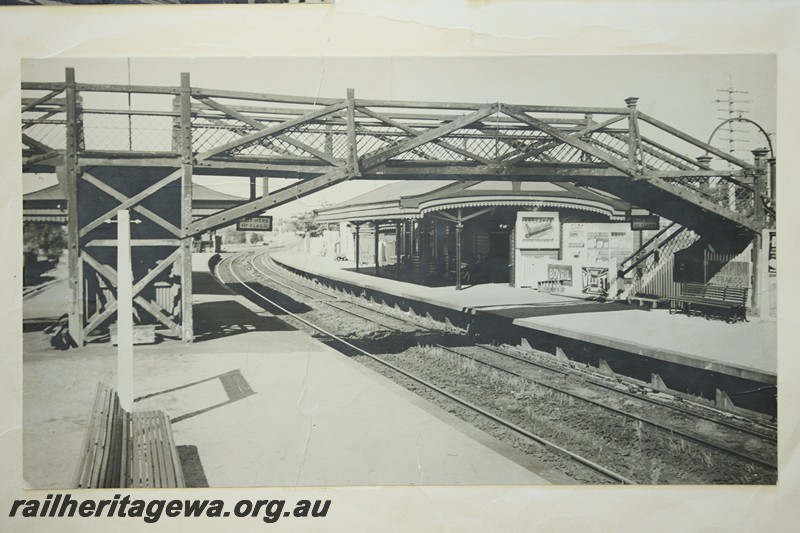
column 139, row 147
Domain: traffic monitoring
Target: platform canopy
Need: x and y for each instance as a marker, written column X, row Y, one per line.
column 406, row 201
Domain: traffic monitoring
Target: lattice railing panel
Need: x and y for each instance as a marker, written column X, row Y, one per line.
column 373, row 139
column 147, row 120
column 720, row 191
column 328, row 139
column 52, row 135
column 657, row 159
column 121, row 132
column 653, row 276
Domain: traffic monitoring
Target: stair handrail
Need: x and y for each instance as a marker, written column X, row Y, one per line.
column 642, row 258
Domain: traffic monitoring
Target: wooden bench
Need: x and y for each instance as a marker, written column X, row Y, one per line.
column 643, row 299
column 711, row 300
column 125, row 450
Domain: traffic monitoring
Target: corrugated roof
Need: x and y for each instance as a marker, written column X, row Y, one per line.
column 411, row 199
column 52, row 193
column 392, row 192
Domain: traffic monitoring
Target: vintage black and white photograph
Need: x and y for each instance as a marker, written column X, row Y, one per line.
column 307, row 271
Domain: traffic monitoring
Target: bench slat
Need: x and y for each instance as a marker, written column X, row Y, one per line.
column 147, row 452
column 136, row 480
column 83, row 470
column 124, row 449
column 103, row 441
column 177, row 471
column 163, row 467
column 174, row 460
column 695, row 296
column 737, row 295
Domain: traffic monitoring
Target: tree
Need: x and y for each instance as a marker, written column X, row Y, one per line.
column 48, row 239
column 231, row 236
column 255, row 238
column 305, row 224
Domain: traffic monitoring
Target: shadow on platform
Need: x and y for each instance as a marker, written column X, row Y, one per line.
column 389, row 272
column 206, row 283
column 213, row 320
column 559, row 308
column 493, row 271
column 39, row 324
column 193, row 472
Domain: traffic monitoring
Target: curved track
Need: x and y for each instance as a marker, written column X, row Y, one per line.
column 260, row 265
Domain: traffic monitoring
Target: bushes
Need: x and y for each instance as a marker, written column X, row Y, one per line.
column 44, row 239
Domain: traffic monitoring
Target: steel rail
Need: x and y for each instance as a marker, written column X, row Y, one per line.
column 536, row 438
column 657, row 425
column 593, row 381
column 316, row 299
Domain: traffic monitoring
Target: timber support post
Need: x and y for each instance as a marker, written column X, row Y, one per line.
column 634, row 139
column 124, row 311
column 398, row 245
column 187, row 317
column 358, row 246
column 377, row 247
column 71, row 174
column 759, row 179
column 459, row 227
column 352, row 140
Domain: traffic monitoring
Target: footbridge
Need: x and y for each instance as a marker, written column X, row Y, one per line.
column 143, row 147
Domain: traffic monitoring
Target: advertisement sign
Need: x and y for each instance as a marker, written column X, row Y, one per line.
column 538, row 230
column 772, row 257
column 595, row 280
column 644, row 222
column 560, row 273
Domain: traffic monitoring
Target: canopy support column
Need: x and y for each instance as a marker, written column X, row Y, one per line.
column 459, row 227
column 377, row 248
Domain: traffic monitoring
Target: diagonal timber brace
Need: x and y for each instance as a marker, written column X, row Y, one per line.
column 272, row 130
column 131, row 203
column 122, row 199
column 427, row 136
column 540, row 149
column 516, row 113
column 399, row 125
column 261, row 127
column 275, row 199
column 111, row 275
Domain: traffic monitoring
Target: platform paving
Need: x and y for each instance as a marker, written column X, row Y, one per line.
column 745, row 349
column 256, row 403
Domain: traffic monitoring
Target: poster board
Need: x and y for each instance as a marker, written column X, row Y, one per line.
column 538, row 230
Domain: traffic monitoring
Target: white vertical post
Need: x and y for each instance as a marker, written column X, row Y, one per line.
column 124, row 311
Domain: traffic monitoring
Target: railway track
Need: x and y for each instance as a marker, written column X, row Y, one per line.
column 598, row 380
column 752, row 447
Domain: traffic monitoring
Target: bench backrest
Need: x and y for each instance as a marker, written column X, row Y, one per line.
column 124, row 449
column 737, row 295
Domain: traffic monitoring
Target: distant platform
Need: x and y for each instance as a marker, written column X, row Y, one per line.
column 745, row 350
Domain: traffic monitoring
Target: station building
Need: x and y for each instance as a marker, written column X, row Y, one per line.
column 552, row 237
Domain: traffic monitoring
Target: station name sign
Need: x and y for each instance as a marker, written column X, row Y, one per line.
column 255, row 224
column 644, row 222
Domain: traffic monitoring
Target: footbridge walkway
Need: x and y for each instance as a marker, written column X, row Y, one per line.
column 143, row 147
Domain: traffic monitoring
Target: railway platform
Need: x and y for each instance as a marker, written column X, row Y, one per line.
column 745, row 351
column 254, row 402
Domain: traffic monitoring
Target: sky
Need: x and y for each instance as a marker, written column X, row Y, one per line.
column 678, row 90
